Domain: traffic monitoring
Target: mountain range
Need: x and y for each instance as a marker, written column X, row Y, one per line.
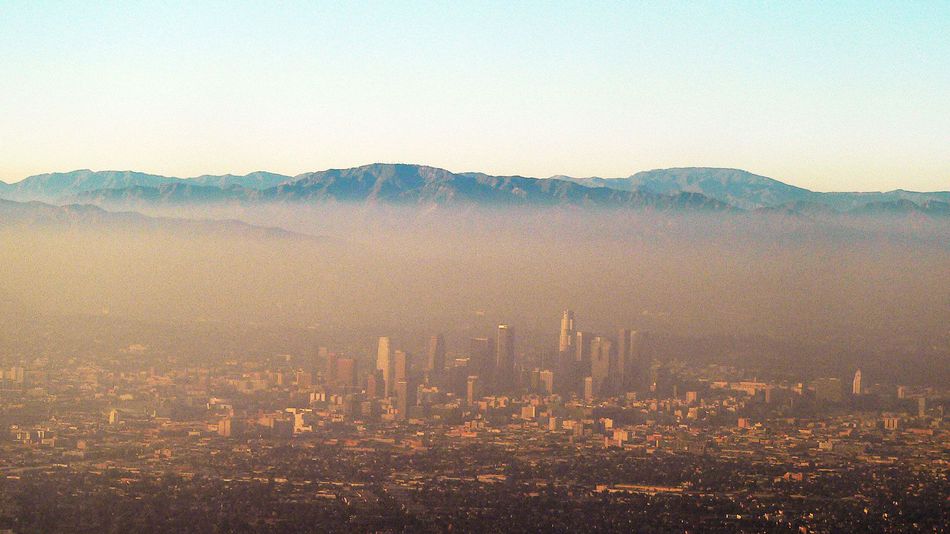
column 35, row 215
column 746, row 190
column 699, row 188
column 58, row 186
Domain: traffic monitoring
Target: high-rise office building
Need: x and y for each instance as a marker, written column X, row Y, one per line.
column 456, row 375
column 472, row 390
column 324, row 364
column 402, row 366
column 582, row 347
column 535, row 381
column 566, row 340
column 384, row 362
column 547, row 381
column 481, row 359
column 588, row 388
column 332, row 367
column 375, row 384
column 504, row 358
column 346, row 374
column 623, row 360
column 405, row 399
column 856, row 383
column 435, row 356
column 573, row 379
column 634, row 361
column 601, row 354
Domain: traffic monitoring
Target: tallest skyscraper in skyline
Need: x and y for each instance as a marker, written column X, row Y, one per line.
column 566, row 340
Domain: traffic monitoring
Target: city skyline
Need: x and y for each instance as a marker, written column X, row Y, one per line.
column 298, row 438
column 474, row 266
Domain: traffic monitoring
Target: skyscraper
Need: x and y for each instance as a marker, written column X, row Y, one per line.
column 384, row 362
column 581, row 365
column 588, row 388
column 601, row 354
column 332, row 367
column 636, row 361
column 547, row 381
column 375, row 384
column 582, row 347
column 566, row 340
column 623, row 360
column 435, row 360
column 504, row 358
column 535, row 381
column 481, row 361
column 856, row 383
column 347, row 370
column 402, row 366
column 323, row 362
column 405, row 399
column 472, row 390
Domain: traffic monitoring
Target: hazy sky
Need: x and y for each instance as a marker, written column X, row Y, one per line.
column 826, row 95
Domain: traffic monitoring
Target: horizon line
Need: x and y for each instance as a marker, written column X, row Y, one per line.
column 552, row 177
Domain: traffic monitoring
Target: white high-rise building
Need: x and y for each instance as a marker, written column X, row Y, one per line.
column 566, row 340
column 856, row 384
column 384, row 362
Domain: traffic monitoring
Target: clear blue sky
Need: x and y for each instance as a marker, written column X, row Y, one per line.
column 826, row 95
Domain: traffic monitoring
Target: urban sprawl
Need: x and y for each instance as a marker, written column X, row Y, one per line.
column 601, row 433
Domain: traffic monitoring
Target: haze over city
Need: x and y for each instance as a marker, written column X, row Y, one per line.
column 474, row 267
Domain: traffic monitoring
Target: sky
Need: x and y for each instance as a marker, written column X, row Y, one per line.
column 825, row 95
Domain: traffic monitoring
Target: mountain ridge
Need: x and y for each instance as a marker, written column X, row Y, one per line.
column 747, row 190
column 699, row 187
column 409, row 185
column 35, row 214
column 56, row 186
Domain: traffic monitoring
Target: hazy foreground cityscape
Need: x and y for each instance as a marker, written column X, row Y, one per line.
column 589, row 432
